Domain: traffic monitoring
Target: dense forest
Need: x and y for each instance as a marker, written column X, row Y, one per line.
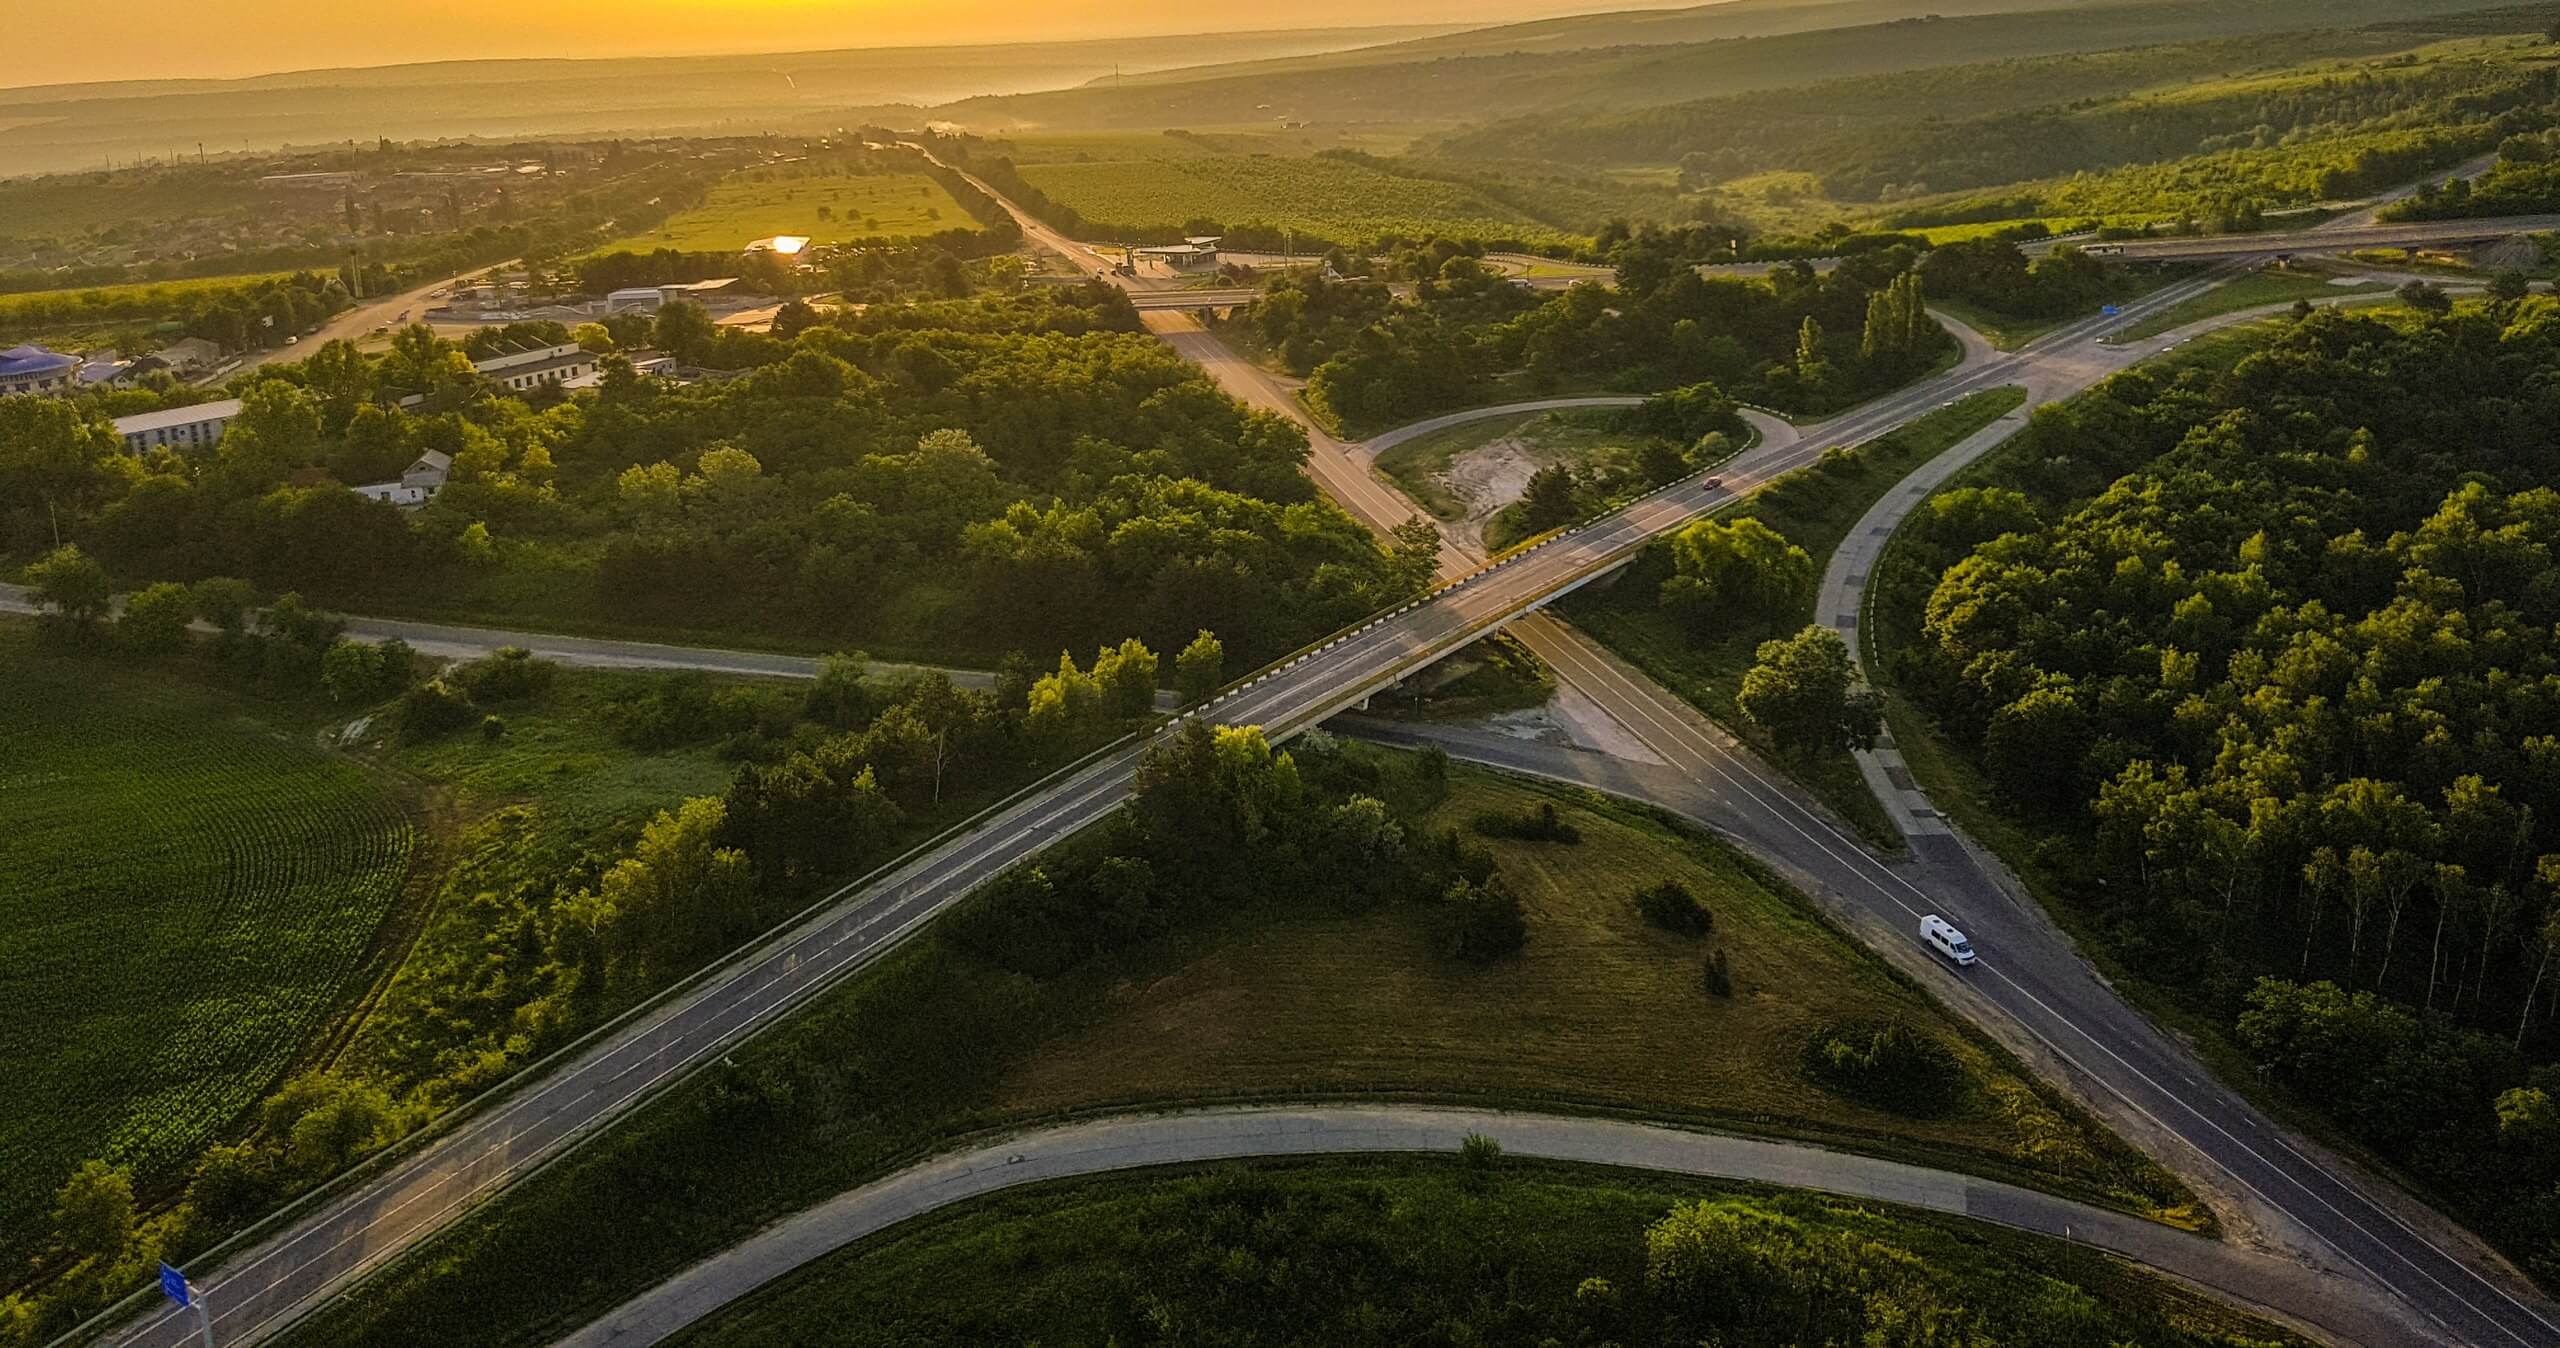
column 1797, row 341
column 957, row 478
column 2270, row 651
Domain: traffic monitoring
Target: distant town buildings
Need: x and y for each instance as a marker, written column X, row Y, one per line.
column 197, row 427
column 32, row 369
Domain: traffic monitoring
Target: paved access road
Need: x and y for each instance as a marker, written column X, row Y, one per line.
column 2343, row 1308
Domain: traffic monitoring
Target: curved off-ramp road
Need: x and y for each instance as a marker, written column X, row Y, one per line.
column 2339, row 1308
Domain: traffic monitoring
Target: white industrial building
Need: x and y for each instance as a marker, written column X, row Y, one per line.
column 197, row 427
column 523, row 371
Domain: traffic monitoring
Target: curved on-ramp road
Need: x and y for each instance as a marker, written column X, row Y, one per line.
column 2344, row 1310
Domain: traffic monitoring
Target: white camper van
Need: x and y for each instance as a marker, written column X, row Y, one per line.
column 1941, row 935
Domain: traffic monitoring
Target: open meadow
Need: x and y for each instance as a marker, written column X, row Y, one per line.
column 193, row 896
column 823, row 208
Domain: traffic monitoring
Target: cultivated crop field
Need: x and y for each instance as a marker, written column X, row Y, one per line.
column 109, row 304
column 760, row 204
column 1325, row 198
column 189, row 897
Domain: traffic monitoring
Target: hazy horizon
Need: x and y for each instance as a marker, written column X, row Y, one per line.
column 239, row 39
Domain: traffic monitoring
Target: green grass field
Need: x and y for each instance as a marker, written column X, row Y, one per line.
column 2247, row 292
column 1600, row 1011
column 192, row 895
column 1324, row 198
column 1377, row 1251
column 1815, row 508
column 760, row 204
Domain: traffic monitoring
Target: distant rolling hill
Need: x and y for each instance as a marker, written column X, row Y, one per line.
column 61, row 127
column 1530, row 70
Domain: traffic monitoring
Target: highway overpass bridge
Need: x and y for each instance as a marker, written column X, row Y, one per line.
column 2240, row 247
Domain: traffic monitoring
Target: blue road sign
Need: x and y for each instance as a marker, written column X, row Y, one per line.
column 2109, row 310
column 173, row 1285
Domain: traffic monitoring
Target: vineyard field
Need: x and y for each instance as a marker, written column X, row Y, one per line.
column 1331, row 199
column 190, row 897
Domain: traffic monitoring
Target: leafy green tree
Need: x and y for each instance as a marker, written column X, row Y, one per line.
column 1720, row 567
column 54, row 456
column 1482, row 922
column 1063, row 705
column 226, row 602
column 1808, row 696
column 1200, row 669
column 93, row 1211
column 351, row 672
column 155, row 618
column 2426, row 297
column 73, row 587
column 1552, row 499
column 1126, row 675
column 685, row 331
column 2034, row 746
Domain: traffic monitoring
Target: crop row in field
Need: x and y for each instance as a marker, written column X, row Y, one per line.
column 761, row 204
column 189, row 898
column 1332, row 199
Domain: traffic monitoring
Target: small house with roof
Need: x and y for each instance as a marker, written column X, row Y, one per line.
column 418, row 483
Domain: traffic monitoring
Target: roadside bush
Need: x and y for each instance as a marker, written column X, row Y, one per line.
column 1482, row 921
column 508, row 674
column 1673, row 908
column 1717, row 976
column 679, row 711
column 1891, row 1067
column 1539, row 825
column 433, row 709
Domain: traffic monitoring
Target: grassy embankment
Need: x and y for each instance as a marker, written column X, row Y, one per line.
column 1600, row 1012
column 1814, row 507
column 195, row 896
column 1400, row 1250
column 2247, row 292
